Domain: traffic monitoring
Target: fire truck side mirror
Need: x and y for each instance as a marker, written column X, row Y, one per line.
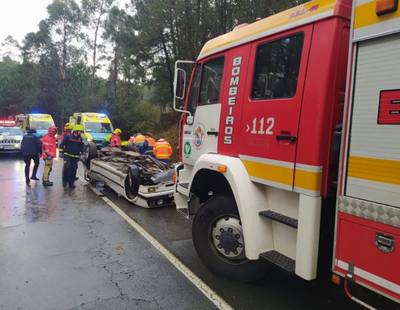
column 180, row 83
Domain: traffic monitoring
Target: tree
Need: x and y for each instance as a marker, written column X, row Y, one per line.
column 95, row 13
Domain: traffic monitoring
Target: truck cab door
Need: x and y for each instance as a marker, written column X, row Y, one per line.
column 271, row 112
column 201, row 129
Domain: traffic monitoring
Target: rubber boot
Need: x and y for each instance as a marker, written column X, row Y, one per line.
column 47, row 183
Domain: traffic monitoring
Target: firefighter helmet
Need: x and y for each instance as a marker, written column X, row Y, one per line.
column 78, row 127
column 68, row 126
column 52, row 130
column 117, row 131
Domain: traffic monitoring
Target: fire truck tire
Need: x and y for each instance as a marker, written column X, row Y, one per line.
column 133, row 181
column 89, row 153
column 218, row 239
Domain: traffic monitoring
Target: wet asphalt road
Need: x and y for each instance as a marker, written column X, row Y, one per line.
column 67, row 249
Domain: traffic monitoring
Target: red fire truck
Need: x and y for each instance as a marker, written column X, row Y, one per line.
column 261, row 143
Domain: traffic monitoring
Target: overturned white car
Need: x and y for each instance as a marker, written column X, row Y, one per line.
column 141, row 179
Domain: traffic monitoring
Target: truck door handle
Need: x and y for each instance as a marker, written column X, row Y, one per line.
column 215, row 133
column 286, row 138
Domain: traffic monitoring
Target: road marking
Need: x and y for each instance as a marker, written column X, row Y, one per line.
column 204, row 288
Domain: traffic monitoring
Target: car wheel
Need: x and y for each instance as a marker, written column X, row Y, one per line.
column 218, row 239
column 132, row 182
column 89, row 153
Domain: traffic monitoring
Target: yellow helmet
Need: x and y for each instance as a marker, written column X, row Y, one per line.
column 68, row 126
column 78, row 127
column 117, row 131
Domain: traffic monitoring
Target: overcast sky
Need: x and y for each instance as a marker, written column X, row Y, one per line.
column 19, row 17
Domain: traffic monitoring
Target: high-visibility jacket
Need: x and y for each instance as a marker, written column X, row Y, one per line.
column 115, row 140
column 151, row 141
column 65, row 133
column 139, row 140
column 49, row 146
column 106, row 141
column 162, row 149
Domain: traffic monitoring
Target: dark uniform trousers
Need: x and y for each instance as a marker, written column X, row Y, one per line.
column 69, row 170
column 27, row 160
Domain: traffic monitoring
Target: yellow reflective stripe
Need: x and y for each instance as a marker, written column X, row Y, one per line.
column 365, row 15
column 162, row 155
column 373, row 169
column 269, row 172
column 309, row 180
column 70, row 155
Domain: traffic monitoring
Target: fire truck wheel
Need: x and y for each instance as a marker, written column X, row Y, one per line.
column 89, row 153
column 133, row 181
column 218, row 238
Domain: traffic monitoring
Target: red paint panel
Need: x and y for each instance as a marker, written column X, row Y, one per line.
column 265, row 121
column 389, row 107
column 324, row 95
column 355, row 243
column 233, row 93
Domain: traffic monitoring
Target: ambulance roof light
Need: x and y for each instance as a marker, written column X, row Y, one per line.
column 386, row 6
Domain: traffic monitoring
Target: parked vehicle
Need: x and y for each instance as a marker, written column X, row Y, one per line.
column 96, row 126
column 42, row 122
column 10, row 137
column 260, row 143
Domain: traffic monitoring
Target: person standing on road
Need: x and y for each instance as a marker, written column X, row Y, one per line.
column 49, row 148
column 162, row 150
column 31, row 149
column 71, row 149
column 67, row 131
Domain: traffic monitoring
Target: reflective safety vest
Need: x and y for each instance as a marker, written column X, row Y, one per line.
column 49, row 146
column 139, row 140
column 162, row 149
column 151, row 141
column 115, row 140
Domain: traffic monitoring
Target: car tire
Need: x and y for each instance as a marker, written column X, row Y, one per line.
column 132, row 182
column 89, row 153
column 218, row 239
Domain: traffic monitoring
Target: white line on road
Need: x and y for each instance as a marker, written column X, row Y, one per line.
column 204, row 288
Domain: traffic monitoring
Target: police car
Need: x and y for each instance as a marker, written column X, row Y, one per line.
column 10, row 137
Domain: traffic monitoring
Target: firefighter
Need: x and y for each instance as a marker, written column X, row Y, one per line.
column 31, row 149
column 141, row 142
column 162, row 150
column 49, row 151
column 71, row 149
column 67, row 131
column 116, row 138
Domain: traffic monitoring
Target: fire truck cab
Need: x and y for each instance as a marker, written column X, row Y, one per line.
column 260, row 137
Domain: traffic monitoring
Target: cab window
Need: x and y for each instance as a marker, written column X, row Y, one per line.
column 194, row 90
column 211, row 81
column 277, row 68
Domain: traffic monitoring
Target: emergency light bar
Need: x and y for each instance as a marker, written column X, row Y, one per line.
column 7, row 122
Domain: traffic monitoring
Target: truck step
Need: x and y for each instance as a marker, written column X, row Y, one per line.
column 184, row 212
column 280, row 218
column 184, row 185
column 279, row 260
